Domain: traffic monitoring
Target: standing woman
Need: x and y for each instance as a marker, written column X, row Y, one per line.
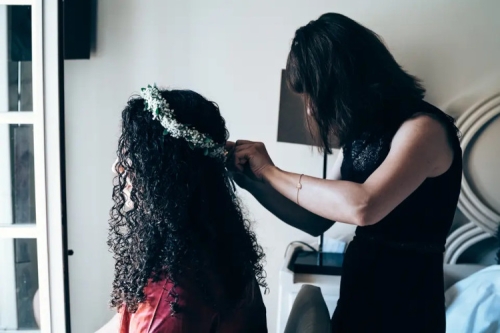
column 397, row 178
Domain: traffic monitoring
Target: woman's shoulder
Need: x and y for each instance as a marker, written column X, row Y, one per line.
column 423, row 126
column 434, row 116
column 436, row 126
column 429, row 137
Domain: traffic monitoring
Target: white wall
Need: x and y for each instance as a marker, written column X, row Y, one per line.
column 232, row 52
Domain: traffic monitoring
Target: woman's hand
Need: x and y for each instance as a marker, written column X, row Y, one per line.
column 249, row 158
column 239, row 178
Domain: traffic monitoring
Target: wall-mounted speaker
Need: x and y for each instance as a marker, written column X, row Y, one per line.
column 77, row 28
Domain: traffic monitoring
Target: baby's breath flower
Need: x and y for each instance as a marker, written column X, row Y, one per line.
column 162, row 112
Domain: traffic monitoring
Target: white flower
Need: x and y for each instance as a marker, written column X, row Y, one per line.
column 161, row 111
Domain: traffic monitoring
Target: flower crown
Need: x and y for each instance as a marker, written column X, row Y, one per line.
column 158, row 106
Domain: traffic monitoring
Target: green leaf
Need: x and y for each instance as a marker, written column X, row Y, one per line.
column 149, row 86
column 143, row 89
column 165, row 132
column 157, row 111
column 191, row 145
column 205, row 151
column 206, row 140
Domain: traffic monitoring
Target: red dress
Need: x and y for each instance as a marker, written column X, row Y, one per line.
column 154, row 315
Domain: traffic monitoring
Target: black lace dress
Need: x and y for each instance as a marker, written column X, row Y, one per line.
column 392, row 278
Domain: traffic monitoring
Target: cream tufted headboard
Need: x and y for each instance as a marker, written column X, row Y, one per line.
column 482, row 214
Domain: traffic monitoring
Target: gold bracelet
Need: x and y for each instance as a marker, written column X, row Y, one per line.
column 299, row 187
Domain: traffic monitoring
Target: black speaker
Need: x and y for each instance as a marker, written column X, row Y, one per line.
column 78, row 16
column 77, row 28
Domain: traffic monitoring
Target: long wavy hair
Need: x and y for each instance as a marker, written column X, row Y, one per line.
column 185, row 220
column 350, row 81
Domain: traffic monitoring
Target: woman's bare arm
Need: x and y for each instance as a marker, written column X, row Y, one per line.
column 285, row 209
column 420, row 150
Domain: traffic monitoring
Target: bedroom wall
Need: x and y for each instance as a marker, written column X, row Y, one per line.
column 232, row 52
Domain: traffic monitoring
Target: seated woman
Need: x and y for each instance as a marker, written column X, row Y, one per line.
column 186, row 259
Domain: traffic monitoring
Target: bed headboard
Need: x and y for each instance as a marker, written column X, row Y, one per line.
column 479, row 204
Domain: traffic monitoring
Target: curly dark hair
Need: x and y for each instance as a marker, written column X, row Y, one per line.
column 185, row 220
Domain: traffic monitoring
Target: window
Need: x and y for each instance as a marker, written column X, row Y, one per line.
column 27, row 301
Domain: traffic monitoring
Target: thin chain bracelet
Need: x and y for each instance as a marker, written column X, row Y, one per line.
column 299, row 187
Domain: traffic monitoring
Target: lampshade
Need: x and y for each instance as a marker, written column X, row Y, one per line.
column 292, row 126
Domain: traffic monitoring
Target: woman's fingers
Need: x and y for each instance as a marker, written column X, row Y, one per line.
column 236, row 159
column 243, row 165
column 240, row 159
column 231, row 162
column 242, row 142
column 243, row 153
column 230, row 145
column 249, row 157
column 245, row 145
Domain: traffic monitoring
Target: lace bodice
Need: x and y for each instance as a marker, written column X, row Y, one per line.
column 425, row 217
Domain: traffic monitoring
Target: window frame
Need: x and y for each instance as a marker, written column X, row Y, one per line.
column 46, row 121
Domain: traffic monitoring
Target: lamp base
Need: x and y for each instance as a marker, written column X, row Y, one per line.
column 323, row 263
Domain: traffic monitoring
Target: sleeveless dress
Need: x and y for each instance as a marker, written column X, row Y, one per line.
column 392, row 278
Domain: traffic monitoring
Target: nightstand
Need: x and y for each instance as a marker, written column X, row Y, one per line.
column 290, row 284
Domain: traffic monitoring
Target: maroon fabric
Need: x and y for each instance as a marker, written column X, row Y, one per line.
column 155, row 314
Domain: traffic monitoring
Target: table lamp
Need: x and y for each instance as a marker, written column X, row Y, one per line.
column 292, row 128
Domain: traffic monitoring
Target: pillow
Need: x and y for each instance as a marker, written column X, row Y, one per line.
column 473, row 304
column 457, row 272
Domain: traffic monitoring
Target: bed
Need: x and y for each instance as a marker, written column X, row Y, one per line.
column 472, row 273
